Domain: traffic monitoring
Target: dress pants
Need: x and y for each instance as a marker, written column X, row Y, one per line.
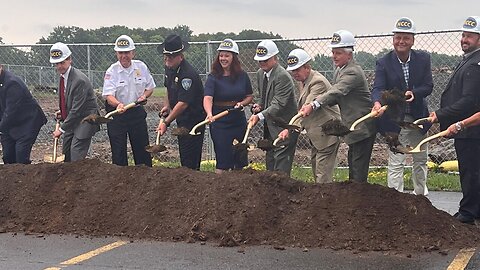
column 323, row 163
column 359, row 155
column 18, row 150
column 468, row 151
column 396, row 162
column 132, row 123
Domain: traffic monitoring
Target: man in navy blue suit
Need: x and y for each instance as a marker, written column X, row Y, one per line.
column 20, row 119
column 408, row 71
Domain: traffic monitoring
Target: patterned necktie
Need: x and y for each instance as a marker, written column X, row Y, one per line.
column 63, row 103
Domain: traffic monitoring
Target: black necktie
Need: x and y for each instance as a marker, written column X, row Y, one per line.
column 264, row 90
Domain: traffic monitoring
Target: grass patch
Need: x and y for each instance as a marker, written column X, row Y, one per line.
column 436, row 181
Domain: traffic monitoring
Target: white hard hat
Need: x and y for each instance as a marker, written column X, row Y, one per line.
column 265, row 50
column 404, row 25
column 297, row 58
column 59, row 52
column 124, row 43
column 472, row 24
column 229, row 46
column 342, row 39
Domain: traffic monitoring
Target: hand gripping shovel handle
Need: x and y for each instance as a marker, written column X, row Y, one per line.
column 365, row 117
column 157, row 141
column 126, row 107
column 204, row 122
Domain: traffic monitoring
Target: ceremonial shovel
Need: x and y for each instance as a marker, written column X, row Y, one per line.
column 54, row 158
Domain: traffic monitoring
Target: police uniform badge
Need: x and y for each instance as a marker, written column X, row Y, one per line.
column 186, row 83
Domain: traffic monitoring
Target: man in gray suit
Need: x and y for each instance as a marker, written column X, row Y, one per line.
column 350, row 91
column 77, row 100
column 277, row 103
column 312, row 84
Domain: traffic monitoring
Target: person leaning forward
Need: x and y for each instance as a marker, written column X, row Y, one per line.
column 277, row 103
column 408, row 71
column 184, row 101
column 460, row 100
column 127, row 81
column 350, row 92
column 21, row 119
column 77, row 100
column 312, row 84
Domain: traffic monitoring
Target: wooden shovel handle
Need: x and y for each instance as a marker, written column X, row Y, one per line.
column 434, row 136
column 294, row 118
column 247, row 132
column 126, row 107
column 367, row 116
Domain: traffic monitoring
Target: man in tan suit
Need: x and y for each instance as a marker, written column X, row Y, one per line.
column 311, row 84
column 350, row 91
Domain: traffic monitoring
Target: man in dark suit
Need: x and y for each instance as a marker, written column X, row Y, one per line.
column 409, row 72
column 20, row 119
column 277, row 102
column 460, row 100
column 77, row 100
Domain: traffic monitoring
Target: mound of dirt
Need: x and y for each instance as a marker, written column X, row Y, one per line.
column 238, row 208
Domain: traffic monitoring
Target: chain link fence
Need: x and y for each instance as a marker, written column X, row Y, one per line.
column 31, row 62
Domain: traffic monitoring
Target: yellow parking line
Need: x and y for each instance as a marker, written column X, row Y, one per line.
column 89, row 255
column 461, row 260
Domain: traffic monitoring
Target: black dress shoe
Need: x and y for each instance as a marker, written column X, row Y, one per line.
column 464, row 219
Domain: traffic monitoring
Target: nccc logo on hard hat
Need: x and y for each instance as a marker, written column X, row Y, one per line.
column 261, row 51
column 404, row 24
column 336, row 38
column 226, row 45
column 123, row 43
column 55, row 54
column 470, row 23
column 292, row 60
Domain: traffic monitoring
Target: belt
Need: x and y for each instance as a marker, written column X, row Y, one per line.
column 225, row 103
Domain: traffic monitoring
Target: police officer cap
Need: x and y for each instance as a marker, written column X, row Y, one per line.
column 59, row 52
column 173, row 44
column 124, row 43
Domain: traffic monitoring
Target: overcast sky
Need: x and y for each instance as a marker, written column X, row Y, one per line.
column 25, row 22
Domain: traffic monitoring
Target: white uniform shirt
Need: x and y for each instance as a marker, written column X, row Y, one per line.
column 127, row 84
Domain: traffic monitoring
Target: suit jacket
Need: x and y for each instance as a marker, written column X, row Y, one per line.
column 81, row 101
column 350, row 91
column 389, row 75
column 315, row 85
column 279, row 98
column 20, row 113
column 461, row 97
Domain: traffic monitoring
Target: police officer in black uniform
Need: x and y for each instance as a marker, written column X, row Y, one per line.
column 184, row 102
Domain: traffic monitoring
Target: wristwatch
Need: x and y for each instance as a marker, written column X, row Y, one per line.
column 459, row 126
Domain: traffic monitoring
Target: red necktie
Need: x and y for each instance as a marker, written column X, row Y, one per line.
column 63, row 103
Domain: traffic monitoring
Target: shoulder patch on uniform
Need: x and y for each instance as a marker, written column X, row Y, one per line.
column 186, row 83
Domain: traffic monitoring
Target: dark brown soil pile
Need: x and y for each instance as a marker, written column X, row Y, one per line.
column 240, row 208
